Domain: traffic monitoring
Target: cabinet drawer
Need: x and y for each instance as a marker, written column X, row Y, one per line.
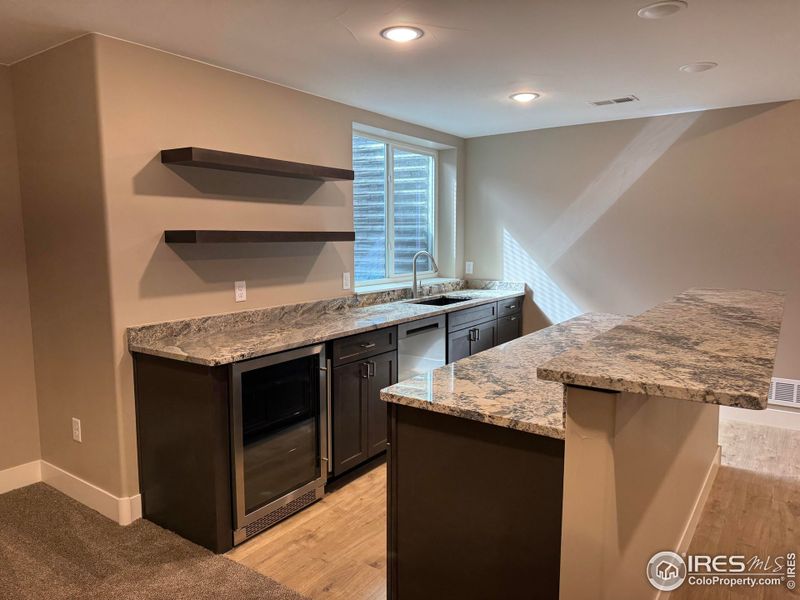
column 509, row 306
column 508, row 328
column 471, row 316
column 360, row 346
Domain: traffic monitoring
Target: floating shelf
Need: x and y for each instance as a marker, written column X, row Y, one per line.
column 230, row 161
column 206, row 236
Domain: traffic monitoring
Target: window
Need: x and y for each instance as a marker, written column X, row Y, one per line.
column 394, row 207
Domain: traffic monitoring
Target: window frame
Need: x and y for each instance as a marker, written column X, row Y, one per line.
column 391, row 145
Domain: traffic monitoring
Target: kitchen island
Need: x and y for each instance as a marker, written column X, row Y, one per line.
column 502, row 483
column 243, row 418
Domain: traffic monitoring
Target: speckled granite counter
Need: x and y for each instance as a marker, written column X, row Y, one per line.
column 705, row 345
column 499, row 386
column 227, row 338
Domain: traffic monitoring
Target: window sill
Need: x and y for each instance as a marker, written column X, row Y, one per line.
column 399, row 285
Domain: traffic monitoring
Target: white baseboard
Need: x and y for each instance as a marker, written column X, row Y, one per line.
column 20, row 476
column 122, row 510
column 697, row 510
column 774, row 416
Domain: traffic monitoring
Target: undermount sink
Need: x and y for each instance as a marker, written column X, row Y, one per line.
column 441, row 300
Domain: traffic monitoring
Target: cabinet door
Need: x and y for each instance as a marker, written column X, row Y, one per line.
column 382, row 373
column 349, row 408
column 483, row 337
column 458, row 345
column 508, row 328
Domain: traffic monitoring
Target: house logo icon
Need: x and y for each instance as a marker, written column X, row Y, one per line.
column 666, row 571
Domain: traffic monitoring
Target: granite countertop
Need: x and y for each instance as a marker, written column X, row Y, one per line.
column 499, row 386
column 223, row 339
column 705, row 345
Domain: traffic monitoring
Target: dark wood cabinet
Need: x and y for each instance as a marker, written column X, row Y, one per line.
column 472, row 340
column 358, row 413
column 509, row 307
column 185, row 462
column 508, row 328
column 461, row 493
column 459, row 345
column 349, row 406
column 471, row 316
column 474, row 330
column 485, row 337
column 363, row 345
column 383, row 373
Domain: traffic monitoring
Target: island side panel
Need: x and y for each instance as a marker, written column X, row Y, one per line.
column 637, row 472
column 474, row 509
column 183, row 430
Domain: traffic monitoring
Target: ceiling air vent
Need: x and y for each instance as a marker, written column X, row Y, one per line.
column 621, row 100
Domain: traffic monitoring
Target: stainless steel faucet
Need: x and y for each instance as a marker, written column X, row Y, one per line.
column 414, row 269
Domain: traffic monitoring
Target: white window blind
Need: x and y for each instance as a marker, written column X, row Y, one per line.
column 394, row 208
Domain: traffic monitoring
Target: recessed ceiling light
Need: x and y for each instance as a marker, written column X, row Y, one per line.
column 402, row 33
column 524, row 97
column 659, row 10
column 698, row 67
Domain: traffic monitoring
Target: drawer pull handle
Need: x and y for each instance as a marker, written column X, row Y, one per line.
column 366, row 346
column 512, row 318
column 511, row 306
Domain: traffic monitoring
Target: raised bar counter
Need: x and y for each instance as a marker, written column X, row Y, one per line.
column 556, row 466
column 499, row 386
column 705, row 345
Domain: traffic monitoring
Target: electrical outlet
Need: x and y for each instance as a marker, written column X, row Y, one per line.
column 346, row 280
column 76, row 430
column 240, row 291
column 469, row 267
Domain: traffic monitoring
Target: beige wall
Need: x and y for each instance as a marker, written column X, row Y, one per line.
column 97, row 200
column 19, row 426
column 637, row 472
column 623, row 215
column 65, row 235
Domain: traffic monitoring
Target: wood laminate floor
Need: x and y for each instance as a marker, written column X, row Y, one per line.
column 754, row 505
column 336, row 549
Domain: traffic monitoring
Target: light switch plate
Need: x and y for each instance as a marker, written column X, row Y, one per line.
column 240, row 291
column 346, row 280
column 469, row 267
column 76, row 430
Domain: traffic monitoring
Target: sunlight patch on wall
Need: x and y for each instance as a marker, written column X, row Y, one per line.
column 551, row 299
column 602, row 193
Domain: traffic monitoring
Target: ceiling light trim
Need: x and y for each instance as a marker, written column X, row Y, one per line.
column 409, row 33
column 698, row 67
column 662, row 9
column 525, row 97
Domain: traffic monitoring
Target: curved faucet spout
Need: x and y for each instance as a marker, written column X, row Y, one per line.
column 414, row 269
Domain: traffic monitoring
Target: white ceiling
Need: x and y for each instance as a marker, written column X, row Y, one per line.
column 457, row 78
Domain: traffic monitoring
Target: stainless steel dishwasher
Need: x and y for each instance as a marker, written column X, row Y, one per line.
column 421, row 346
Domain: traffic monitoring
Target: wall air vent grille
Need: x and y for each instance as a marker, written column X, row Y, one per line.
column 785, row 392
column 620, row 100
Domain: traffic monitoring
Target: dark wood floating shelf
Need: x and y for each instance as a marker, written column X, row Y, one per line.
column 206, row 236
column 230, row 161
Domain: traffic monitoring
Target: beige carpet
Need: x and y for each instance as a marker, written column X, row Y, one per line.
column 54, row 548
